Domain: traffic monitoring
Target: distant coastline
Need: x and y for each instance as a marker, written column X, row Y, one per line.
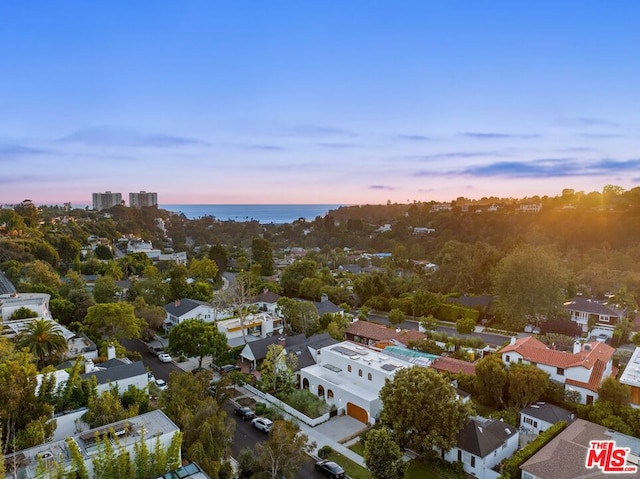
column 264, row 214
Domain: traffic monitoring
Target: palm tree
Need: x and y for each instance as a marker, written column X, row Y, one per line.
column 44, row 339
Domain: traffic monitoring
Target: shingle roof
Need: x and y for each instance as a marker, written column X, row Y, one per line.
column 587, row 305
column 453, row 365
column 116, row 370
column 267, row 297
column 327, row 307
column 564, row 457
column 548, row 413
column 481, row 436
column 183, row 306
column 537, row 352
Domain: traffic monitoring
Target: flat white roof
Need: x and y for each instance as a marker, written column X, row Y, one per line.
column 631, row 374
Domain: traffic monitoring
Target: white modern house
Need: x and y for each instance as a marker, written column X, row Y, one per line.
column 350, row 377
column 36, row 302
column 482, row 444
column 581, row 371
column 256, row 326
column 631, row 377
column 153, row 426
column 182, row 309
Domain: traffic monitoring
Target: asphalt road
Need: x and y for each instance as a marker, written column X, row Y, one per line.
column 247, row 436
column 158, row 368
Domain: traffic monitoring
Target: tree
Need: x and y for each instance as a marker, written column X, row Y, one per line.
column 41, row 272
column 423, row 410
column 242, row 294
column 429, row 323
column 23, row 313
column 204, row 269
column 491, row 381
column 103, row 252
column 29, row 212
column 396, row 316
column 44, row 339
column 465, row 325
column 383, row 456
column 107, row 408
column 105, row 289
column 285, row 450
column 528, row 285
column 299, row 316
column 277, row 370
column 113, row 321
column 293, row 275
column 218, row 253
column 527, row 384
column 612, row 391
column 363, row 313
column 195, row 338
column 262, row 253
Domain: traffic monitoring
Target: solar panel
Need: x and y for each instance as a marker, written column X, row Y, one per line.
column 388, row 367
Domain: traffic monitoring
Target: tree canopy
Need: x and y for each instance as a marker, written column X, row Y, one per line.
column 195, row 338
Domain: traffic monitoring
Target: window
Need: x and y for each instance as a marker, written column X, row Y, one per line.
column 507, row 358
column 560, row 371
column 369, row 377
column 526, row 475
column 473, row 461
column 349, row 368
column 459, row 455
column 360, row 372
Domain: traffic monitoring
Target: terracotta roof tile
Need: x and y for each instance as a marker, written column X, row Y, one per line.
column 537, row 352
column 453, row 365
column 378, row 332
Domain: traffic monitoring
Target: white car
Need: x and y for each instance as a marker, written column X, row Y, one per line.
column 161, row 384
column 263, row 424
column 164, row 357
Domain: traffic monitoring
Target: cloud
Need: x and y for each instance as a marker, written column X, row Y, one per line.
column 265, row 147
column 381, row 187
column 454, row 155
column 338, row 146
column 414, row 137
column 318, row 130
column 579, row 149
column 108, row 136
column 9, row 152
column 497, row 136
column 587, row 122
column 545, row 168
column 599, row 136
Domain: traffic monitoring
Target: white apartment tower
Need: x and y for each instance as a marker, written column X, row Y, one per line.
column 106, row 200
column 142, row 199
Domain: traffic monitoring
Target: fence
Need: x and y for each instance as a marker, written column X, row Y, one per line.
column 288, row 409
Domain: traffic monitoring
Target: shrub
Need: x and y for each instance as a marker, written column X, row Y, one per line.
column 260, row 408
column 306, row 402
column 324, row 451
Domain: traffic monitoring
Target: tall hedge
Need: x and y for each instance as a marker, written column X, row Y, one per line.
column 452, row 312
column 511, row 467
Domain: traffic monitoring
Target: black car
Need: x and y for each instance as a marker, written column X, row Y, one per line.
column 330, row 469
column 245, row 413
column 227, row 368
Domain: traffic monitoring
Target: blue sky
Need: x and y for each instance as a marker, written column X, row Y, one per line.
column 317, row 102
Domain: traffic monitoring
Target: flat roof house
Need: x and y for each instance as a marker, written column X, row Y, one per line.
column 631, row 377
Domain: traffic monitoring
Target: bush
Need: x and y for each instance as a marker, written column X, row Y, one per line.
column 306, row 402
column 324, row 452
column 260, row 408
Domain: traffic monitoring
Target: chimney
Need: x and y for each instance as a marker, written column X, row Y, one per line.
column 282, row 341
column 177, row 303
column 324, row 298
column 512, row 341
column 111, row 352
column 88, row 366
column 576, row 347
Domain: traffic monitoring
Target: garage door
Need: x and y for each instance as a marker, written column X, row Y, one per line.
column 357, row 412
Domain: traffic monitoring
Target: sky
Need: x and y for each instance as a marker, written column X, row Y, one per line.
column 326, row 102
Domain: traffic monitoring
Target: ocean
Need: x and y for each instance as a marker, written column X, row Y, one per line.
column 265, row 214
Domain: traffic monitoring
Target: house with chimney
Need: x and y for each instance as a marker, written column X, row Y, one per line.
column 594, row 316
column 182, row 309
column 581, row 371
column 267, row 301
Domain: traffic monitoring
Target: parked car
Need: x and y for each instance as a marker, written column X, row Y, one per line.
column 150, row 377
column 161, row 384
column 211, row 390
column 227, row 368
column 245, row 413
column 263, row 424
column 164, row 357
column 330, row 469
column 155, row 350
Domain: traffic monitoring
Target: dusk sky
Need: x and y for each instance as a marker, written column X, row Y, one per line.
column 341, row 102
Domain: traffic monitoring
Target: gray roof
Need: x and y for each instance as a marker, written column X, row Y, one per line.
column 564, row 456
column 481, row 436
column 116, row 370
column 301, row 350
column 267, row 297
column 183, row 306
column 6, row 286
column 549, row 413
column 594, row 306
column 327, row 306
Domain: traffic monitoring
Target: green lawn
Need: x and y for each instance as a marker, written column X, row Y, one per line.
column 415, row 469
column 358, row 448
column 353, row 470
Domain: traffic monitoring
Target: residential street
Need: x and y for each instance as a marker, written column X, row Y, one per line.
column 159, row 369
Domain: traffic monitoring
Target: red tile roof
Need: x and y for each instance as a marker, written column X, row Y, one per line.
column 378, row 332
column 537, row 352
column 453, row 365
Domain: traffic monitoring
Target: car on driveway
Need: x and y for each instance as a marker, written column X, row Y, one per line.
column 263, row 424
column 227, row 368
column 164, row 357
column 330, row 469
column 245, row 413
column 161, row 384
